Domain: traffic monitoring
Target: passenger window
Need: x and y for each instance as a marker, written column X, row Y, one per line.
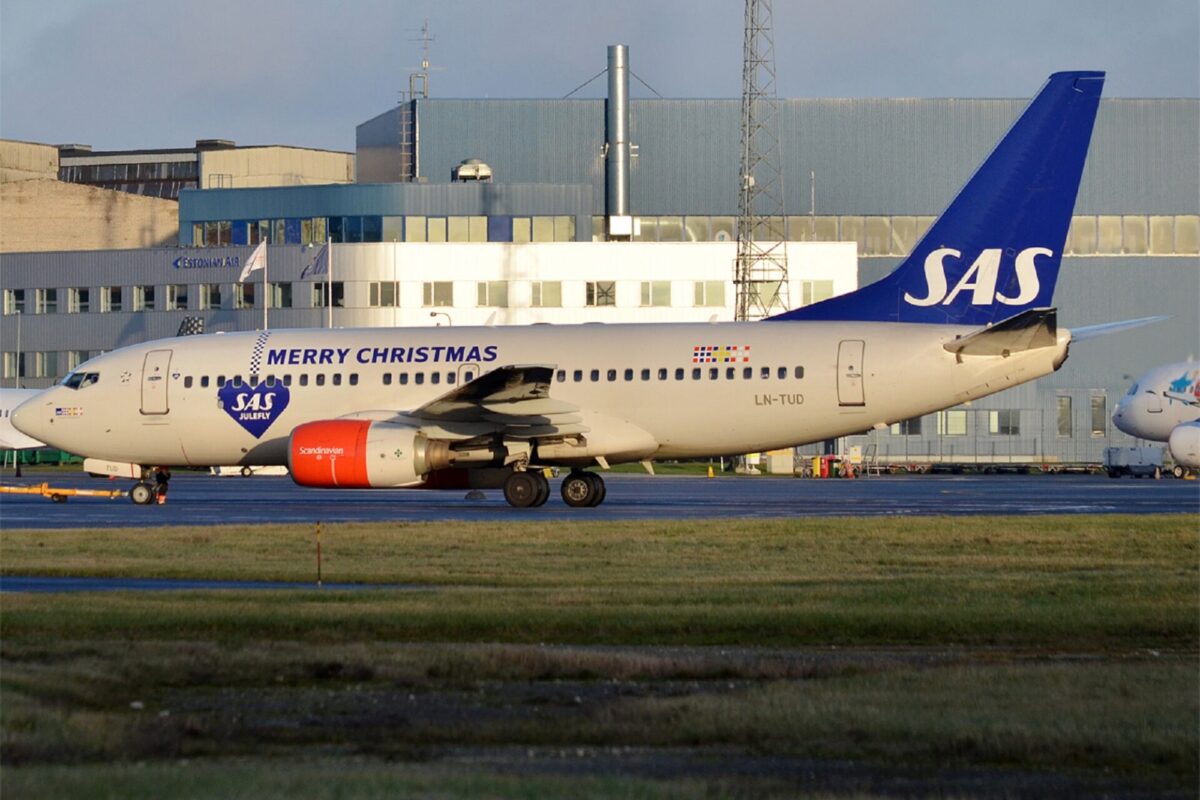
column 766, row 373
column 320, row 379
column 662, row 373
column 270, row 380
column 354, row 379
column 679, row 374
column 203, row 381
column 747, row 373
column 799, row 372
column 387, row 379
column 287, row 380
column 451, row 377
column 612, row 374
column 337, row 379
column 403, row 378
column 187, row 382
column 628, row 374
column 578, row 375
column 468, row 376
column 435, row 377
column 304, row 379
column 252, row 380
column 714, row 373
column 419, row 378
column 595, row 375
column 782, row 373
column 220, row 381
column 730, row 373
column 696, row 373
column 645, row 374
column 561, row 376
column 237, row 380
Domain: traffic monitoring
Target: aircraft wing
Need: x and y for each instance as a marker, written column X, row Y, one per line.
column 515, row 399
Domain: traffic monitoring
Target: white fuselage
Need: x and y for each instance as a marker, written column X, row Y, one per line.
column 1160, row 401
column 695, row 389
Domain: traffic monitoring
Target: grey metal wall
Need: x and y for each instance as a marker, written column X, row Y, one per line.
column 871, row 156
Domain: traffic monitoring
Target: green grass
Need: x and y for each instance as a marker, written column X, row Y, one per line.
column 904, row 648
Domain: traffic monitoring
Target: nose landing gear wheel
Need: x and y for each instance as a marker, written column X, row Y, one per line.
column 142, row 494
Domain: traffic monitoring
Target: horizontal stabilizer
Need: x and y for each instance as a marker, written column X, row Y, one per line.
column 1029, row 330
column 1092, row 331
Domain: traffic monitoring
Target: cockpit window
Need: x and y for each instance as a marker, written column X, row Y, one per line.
column 81, row 380
column 1133, row 389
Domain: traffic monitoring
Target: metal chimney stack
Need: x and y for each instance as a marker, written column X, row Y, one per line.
column 616, row 145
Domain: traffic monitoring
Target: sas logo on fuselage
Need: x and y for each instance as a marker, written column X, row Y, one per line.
column 980, row 279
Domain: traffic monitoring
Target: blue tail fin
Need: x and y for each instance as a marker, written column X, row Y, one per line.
column 995, row 251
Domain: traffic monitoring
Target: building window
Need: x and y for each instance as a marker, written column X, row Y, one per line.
column 14, row 301
column 1064, row 415
column 210, row 295
column 1005, row 422
column 493, row 294
column 281, row 295
column 952, row 422
column 908, row 427
column 656, row 293
column 319, row 299
column 143, row 298
column 243, row 295
column 47, row 301
column 710, row 294
column 110, row 299
column 1099, row 414
column 78, row 300
column 815, row 291
column 385, row 293
column 437, row 293
column 547, row 294
column 601, row 293
column 75, row 358
column 177, row 297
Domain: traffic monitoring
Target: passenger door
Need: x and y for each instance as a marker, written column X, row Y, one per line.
column 850, row 372
column 155, row 371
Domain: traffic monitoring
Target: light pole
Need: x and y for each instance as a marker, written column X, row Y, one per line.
column 449, row 321
column 17, row 365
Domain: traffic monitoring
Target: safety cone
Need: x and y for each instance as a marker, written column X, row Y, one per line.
column 710, row 471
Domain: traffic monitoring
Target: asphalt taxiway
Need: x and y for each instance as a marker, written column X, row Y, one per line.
column 206, row 500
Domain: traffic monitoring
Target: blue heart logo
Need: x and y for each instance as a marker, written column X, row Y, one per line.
column 254, row 407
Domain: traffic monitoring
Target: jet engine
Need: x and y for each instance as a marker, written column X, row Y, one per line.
column 1185, row 444
column 361, row 454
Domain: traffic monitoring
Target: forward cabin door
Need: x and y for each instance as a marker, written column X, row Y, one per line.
column 154, row 381
column 850, row 372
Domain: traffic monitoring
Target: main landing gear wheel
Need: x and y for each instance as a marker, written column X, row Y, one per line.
column 526, row 489
column 583, row 490
column 142, row 494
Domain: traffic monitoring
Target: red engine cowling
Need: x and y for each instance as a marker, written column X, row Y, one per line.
column 360, row 454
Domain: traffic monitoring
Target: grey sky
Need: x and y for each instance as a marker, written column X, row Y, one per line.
column 126, row 74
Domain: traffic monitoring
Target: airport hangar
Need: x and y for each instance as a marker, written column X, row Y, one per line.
column 495, row 211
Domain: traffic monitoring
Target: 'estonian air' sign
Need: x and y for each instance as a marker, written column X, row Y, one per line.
column 207, row 262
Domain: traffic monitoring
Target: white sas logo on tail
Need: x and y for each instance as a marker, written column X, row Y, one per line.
column 980, row 279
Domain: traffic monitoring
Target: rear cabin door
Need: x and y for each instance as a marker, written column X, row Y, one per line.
column 850, row 372
column 154, row 382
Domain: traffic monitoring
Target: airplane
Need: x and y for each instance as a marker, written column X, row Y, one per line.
column 10, row 437
column 966, row 315
column 1164, row 406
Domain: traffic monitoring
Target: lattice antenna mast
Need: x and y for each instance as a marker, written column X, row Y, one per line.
column 760, row 273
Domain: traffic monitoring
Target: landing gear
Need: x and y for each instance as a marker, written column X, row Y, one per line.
column 526, row 489
column 583, row 490
column 142, row 494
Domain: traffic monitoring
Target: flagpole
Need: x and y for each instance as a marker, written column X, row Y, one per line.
column 266, row 292
column 329, row 283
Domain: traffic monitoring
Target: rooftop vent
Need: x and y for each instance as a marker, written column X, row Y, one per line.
column 471, row 170
column 215, row 144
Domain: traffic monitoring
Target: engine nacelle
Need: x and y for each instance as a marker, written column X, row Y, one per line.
column 1185, row 444
column 361, row 454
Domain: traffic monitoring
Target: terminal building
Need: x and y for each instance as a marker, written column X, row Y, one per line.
column 503, row 212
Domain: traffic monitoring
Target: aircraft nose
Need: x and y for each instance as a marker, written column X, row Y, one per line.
column 30, row 418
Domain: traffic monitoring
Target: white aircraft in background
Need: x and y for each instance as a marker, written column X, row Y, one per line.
column 10, row 437
column 1164, row 406
column 966, row 315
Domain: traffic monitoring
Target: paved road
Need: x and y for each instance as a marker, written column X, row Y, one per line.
column 204, row 500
